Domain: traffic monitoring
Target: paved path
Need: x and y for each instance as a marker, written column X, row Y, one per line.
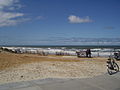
column 103, row 82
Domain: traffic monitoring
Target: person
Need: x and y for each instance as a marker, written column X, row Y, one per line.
column 88, row 53
column 117, row 55
column 78, row 53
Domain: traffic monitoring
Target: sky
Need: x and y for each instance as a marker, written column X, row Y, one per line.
column 59, row 22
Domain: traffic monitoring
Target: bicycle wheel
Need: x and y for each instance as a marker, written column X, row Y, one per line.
column 116, row 67
column 110, row 71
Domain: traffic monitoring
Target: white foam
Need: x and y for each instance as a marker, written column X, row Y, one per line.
column 95, row 52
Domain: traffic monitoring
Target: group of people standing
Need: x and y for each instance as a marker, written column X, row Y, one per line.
column 87, row 53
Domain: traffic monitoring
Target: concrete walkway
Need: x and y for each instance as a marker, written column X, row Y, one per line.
column 103, row 82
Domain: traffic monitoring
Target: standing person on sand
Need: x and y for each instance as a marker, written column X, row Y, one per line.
column 78, row 53
column 88, row 53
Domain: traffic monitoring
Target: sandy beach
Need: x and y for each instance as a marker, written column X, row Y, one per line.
column 25, row 67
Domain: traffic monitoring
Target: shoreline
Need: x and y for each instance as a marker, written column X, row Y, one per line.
column 61, row 51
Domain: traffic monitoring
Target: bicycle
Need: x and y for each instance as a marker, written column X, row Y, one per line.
column 112, row 66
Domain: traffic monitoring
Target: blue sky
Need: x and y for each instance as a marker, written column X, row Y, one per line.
column 59, row 22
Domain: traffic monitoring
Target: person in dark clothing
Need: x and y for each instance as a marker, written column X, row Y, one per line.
column 88, row 53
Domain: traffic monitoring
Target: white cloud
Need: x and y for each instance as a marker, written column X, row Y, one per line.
column 8, row 3
column 76, row 19
column 8, row 18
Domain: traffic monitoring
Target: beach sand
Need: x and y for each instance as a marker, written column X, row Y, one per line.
column 25, row 67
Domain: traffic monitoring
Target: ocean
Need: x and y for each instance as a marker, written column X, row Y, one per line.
column 67, row 46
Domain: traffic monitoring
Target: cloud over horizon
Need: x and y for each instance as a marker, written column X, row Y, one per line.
column 77, row 19
column 70, row 41
column 7, row 16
